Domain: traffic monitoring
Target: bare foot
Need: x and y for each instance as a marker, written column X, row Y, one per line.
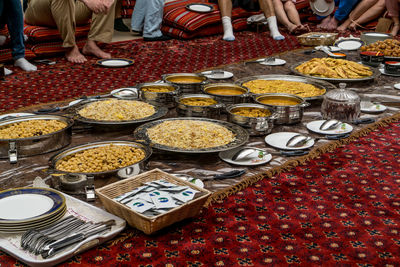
column 324, row 22
column 333, row 24
column 292, row 28
column 73, row 55
column 395, row 29
column 91, row 48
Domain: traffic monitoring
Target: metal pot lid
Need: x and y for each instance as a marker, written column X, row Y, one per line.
column 342, row 95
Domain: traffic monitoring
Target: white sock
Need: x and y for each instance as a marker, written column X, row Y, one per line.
column 25, row 65
column 25, row 37
column 7, row 71
column 228, row 30
column 2, row 39
column 273, row 28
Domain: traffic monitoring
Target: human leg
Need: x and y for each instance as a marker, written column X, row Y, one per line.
column 372, row 13
column 153, row 18
column 101, row 29
column 352, row 21
column 138, row 15
column 281, row 15
column 225, row 7
column 396, row 25
column 268, row 8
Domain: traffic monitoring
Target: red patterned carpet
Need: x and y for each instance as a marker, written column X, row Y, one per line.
column 342, row 209
column 152, row 59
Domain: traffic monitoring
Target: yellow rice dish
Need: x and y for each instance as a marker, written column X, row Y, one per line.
column 30, row 128
column 190, row 134
column 334, row 68
column 117, row 110
column 281, row 86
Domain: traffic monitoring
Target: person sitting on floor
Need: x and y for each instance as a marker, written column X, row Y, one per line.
column 11, row 14
column 392, row 7
column 287, row 14
column 66, row 14
column 364, row 12
column 147, row 17
column 266, row 6
column 344, row 7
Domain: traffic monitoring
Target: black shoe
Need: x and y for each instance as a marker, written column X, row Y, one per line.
column 120, row 26
column 159, row 38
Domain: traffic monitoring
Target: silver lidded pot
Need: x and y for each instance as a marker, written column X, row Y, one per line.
column 341, row 104
column 35, row 145
column 227, row 93
column 212, row 111
column 158, row 94
column 286, row 113
column 254, row 125
column 187, row 82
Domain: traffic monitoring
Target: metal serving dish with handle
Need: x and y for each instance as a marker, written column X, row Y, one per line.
column 122, row 172
column 35, row 145
column 159, row 98
column 116, row 125
column 286, row 114
column 186, row 87
column 254, row 125
column 226, row 98
column 291, row 78
column 210, row 111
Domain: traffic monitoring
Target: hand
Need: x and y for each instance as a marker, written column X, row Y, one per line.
column 98, row 6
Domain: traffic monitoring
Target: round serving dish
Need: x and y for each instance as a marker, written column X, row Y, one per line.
column 259, row 125
column 322, row 85
column 241, row 136
column 122, row 172
column 164, row 97
column 35, row 145
column 372, row 37
column 286, row 113
column 187, row 82
column 208, row 111
column 104, row 125
column 227, row 93
column 392, row 67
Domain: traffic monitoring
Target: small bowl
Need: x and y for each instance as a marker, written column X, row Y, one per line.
column 212, row 111
column 227, row 93
column 187, row 82
column 338, row 55
column 158, row 94
column 392, row 67
column 372, row 58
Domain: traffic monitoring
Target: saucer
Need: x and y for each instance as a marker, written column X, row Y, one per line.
column 349, row 44
column 276, row 62
column 368, row 107
column 218, row 76
column 322, row 8
column 258, row 157
column 115, row 62
column 279, row 141
column 315, row 125
column 200, row 7
column 382, row 70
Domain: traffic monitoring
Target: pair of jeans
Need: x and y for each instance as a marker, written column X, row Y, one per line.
column 11, row 14
column 344, row 7
column 147, row 16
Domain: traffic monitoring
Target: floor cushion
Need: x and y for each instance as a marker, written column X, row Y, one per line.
column 39, row 34
column 52, row 48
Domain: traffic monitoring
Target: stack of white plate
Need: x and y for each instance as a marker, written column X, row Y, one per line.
column 22, row 209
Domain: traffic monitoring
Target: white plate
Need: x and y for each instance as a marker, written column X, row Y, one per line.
column 120, row 93
column 369, row 107
column 322, row 8
column 218, row 76
column 351, row 44
column 343, row 129
column 253, row 159
column 199, row 7
column 382, row 70
column 279, row 140
column 397, row 86
column 15, row 115
column 276, row 62
column 115, row 62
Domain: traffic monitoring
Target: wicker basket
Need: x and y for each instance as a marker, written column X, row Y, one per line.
column 317, row 38
column 146, row 224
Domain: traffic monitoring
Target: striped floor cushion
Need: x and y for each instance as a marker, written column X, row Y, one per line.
column 127, row 8
column 238, row 25
column 39, row 34
column 52, row 48
column 5, row 54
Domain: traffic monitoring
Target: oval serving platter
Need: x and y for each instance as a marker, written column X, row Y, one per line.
column 308, row 80
column 241, row 136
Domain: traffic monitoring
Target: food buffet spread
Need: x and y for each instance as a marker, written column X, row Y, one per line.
column 196, row 135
